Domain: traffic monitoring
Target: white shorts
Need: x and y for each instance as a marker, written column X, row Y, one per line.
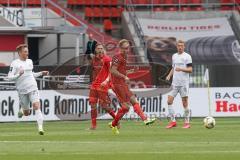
column 25, row 99
column 182, row 90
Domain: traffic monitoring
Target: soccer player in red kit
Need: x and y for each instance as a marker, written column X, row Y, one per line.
column 100, row 85
column 121, row 89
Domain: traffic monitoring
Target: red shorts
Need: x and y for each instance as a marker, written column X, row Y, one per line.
column 100, row 95
column 122, row 92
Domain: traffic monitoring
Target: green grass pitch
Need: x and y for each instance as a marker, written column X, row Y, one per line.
column 70, row 140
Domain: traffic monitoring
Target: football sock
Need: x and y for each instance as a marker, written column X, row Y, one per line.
column 186, row 115
column 171, row 113
column 94, row 117
column 123, row 110
column 39, row 119
column 139, row 111
column 111, row 112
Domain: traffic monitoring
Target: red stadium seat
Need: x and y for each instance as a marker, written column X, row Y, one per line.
column 80, row 2
column 71, row 2
column 226, row 1
column 168, row 1
column 185, row 9
column 15, row 2
column 116, row 12
column 106, row 12
column 114, row 2
column 88, row 12
column 158, row 9
column 34, row 2
column 196, row 1
column 108, row 26
column 97, row 2
column 141, row 1
column 199, row 8
column 75, row 2
column 184, row 1
column 88, row 2
column 97, row 12
column 155, row 1
column 3, row 1
column 106, row 2
column 172, row 9
column 226, row 8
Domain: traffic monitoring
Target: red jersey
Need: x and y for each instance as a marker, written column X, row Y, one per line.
column 96, row 67
column 104, row 72
column 120, row 62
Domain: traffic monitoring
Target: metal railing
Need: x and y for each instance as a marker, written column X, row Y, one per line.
column 67, row 14
column 134, row 20
column 72, row 80
column 207, row 5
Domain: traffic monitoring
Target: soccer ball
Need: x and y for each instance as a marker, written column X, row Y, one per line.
column 209, row 122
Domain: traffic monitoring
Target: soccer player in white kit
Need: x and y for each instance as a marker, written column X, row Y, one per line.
column 21, row 72
column 181, row 69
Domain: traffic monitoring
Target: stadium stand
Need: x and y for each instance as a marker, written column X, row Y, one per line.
column 102, row 15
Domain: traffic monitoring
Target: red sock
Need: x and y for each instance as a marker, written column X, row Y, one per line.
column 94, row 117
column 111, row 112
column 119, row 115
column 139, row 111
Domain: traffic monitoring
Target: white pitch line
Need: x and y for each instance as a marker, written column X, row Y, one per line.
column 134, row 142
column 122, row 153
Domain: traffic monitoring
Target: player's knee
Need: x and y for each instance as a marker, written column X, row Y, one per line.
column 133, row 100
column 169, row 102
column 185, row 104
column 36, row 105
column 26, row 112
column 125, row 109
column 93, row 105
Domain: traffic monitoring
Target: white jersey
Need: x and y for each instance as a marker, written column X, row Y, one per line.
column 180, row 60
column 25, row 83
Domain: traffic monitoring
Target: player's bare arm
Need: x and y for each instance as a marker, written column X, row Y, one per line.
column 169, row 75
column 45, row 73
column 132, row 70
column 42, row 73
column 115, row 72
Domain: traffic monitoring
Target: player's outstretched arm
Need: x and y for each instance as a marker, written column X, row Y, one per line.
column 42, row 73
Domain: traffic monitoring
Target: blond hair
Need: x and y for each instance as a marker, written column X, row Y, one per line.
column 180, row 41
column 121, row 42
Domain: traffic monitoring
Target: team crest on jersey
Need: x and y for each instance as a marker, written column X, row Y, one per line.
column 115, row 60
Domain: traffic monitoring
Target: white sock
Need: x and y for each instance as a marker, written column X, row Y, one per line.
column 21, row 110
column 186, row 115
column 39, row 119
column 171, row 113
